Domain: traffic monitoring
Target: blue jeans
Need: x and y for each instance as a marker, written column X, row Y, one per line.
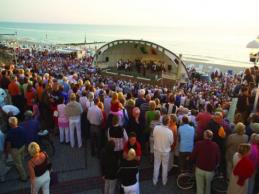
column 203, row 181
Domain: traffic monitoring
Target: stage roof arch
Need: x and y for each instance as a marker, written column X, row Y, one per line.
column 108, row 55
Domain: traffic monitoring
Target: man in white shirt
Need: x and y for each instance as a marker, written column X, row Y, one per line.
column 95, row 118
column 163, row 139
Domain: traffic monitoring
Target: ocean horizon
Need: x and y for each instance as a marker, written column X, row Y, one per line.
column 222, row 46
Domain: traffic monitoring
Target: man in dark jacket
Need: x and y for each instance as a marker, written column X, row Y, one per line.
column 109, row 167
column 15, row 144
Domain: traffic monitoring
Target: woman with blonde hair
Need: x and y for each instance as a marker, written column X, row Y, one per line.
column 115, row 103
column 254, row 157
column 232, row 144
column 242, row 171
column 38, row 167
column 127, row 173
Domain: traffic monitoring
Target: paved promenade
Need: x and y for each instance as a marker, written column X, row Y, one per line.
column 79, row 173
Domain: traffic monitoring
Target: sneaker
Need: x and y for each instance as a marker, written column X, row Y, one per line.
column 154, row 183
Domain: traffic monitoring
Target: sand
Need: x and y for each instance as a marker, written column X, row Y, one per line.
column 209, row 67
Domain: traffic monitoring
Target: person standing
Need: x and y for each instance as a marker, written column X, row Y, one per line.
column 15, row 93
column 163, row 140
column 232, row 144
column 127, row 173
column 206, row 153
column 219, row 136
column 203, row 118
column 38, row 167
column 109, row 167
column 174, row 151
column 243, row 169
column 46, row 119
column 118, row 134
column 186, row 141
column 73, row 111
column 153, row 124
column 16, row 140
column 31, row 126
column 63, row 122
column 95, row 118
column 243, row 104
column 254, row 157
column 135, row 125
column 132, row 143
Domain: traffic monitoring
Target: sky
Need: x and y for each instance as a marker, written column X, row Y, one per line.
column 133, row 12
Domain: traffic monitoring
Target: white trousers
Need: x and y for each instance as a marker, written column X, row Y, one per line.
column 75, row 123
column 42, row 182
column 160, row 157
column 132, row 189
column 64, row 135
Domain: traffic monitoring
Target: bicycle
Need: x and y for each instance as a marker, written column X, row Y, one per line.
column 45, row 142
column 186, row 181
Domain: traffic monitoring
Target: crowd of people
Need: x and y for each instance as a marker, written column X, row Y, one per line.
column 184, row 125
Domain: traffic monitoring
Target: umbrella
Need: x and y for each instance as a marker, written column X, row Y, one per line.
column 11, row 109
column 253, row 44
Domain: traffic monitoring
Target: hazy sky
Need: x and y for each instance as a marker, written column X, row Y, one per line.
column 133, row 12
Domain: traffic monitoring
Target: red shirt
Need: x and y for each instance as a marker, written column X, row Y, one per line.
column 29, row 97
column 203, row 119
column 115, row 106
column 13, row 88
column 206, row 153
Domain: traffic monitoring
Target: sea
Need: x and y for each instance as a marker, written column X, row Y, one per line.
column 213, row 45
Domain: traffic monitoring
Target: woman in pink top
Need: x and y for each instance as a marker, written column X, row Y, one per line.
column 63, row 122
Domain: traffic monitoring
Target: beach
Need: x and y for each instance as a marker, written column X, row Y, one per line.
column 210, row 67
column 196, row 45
